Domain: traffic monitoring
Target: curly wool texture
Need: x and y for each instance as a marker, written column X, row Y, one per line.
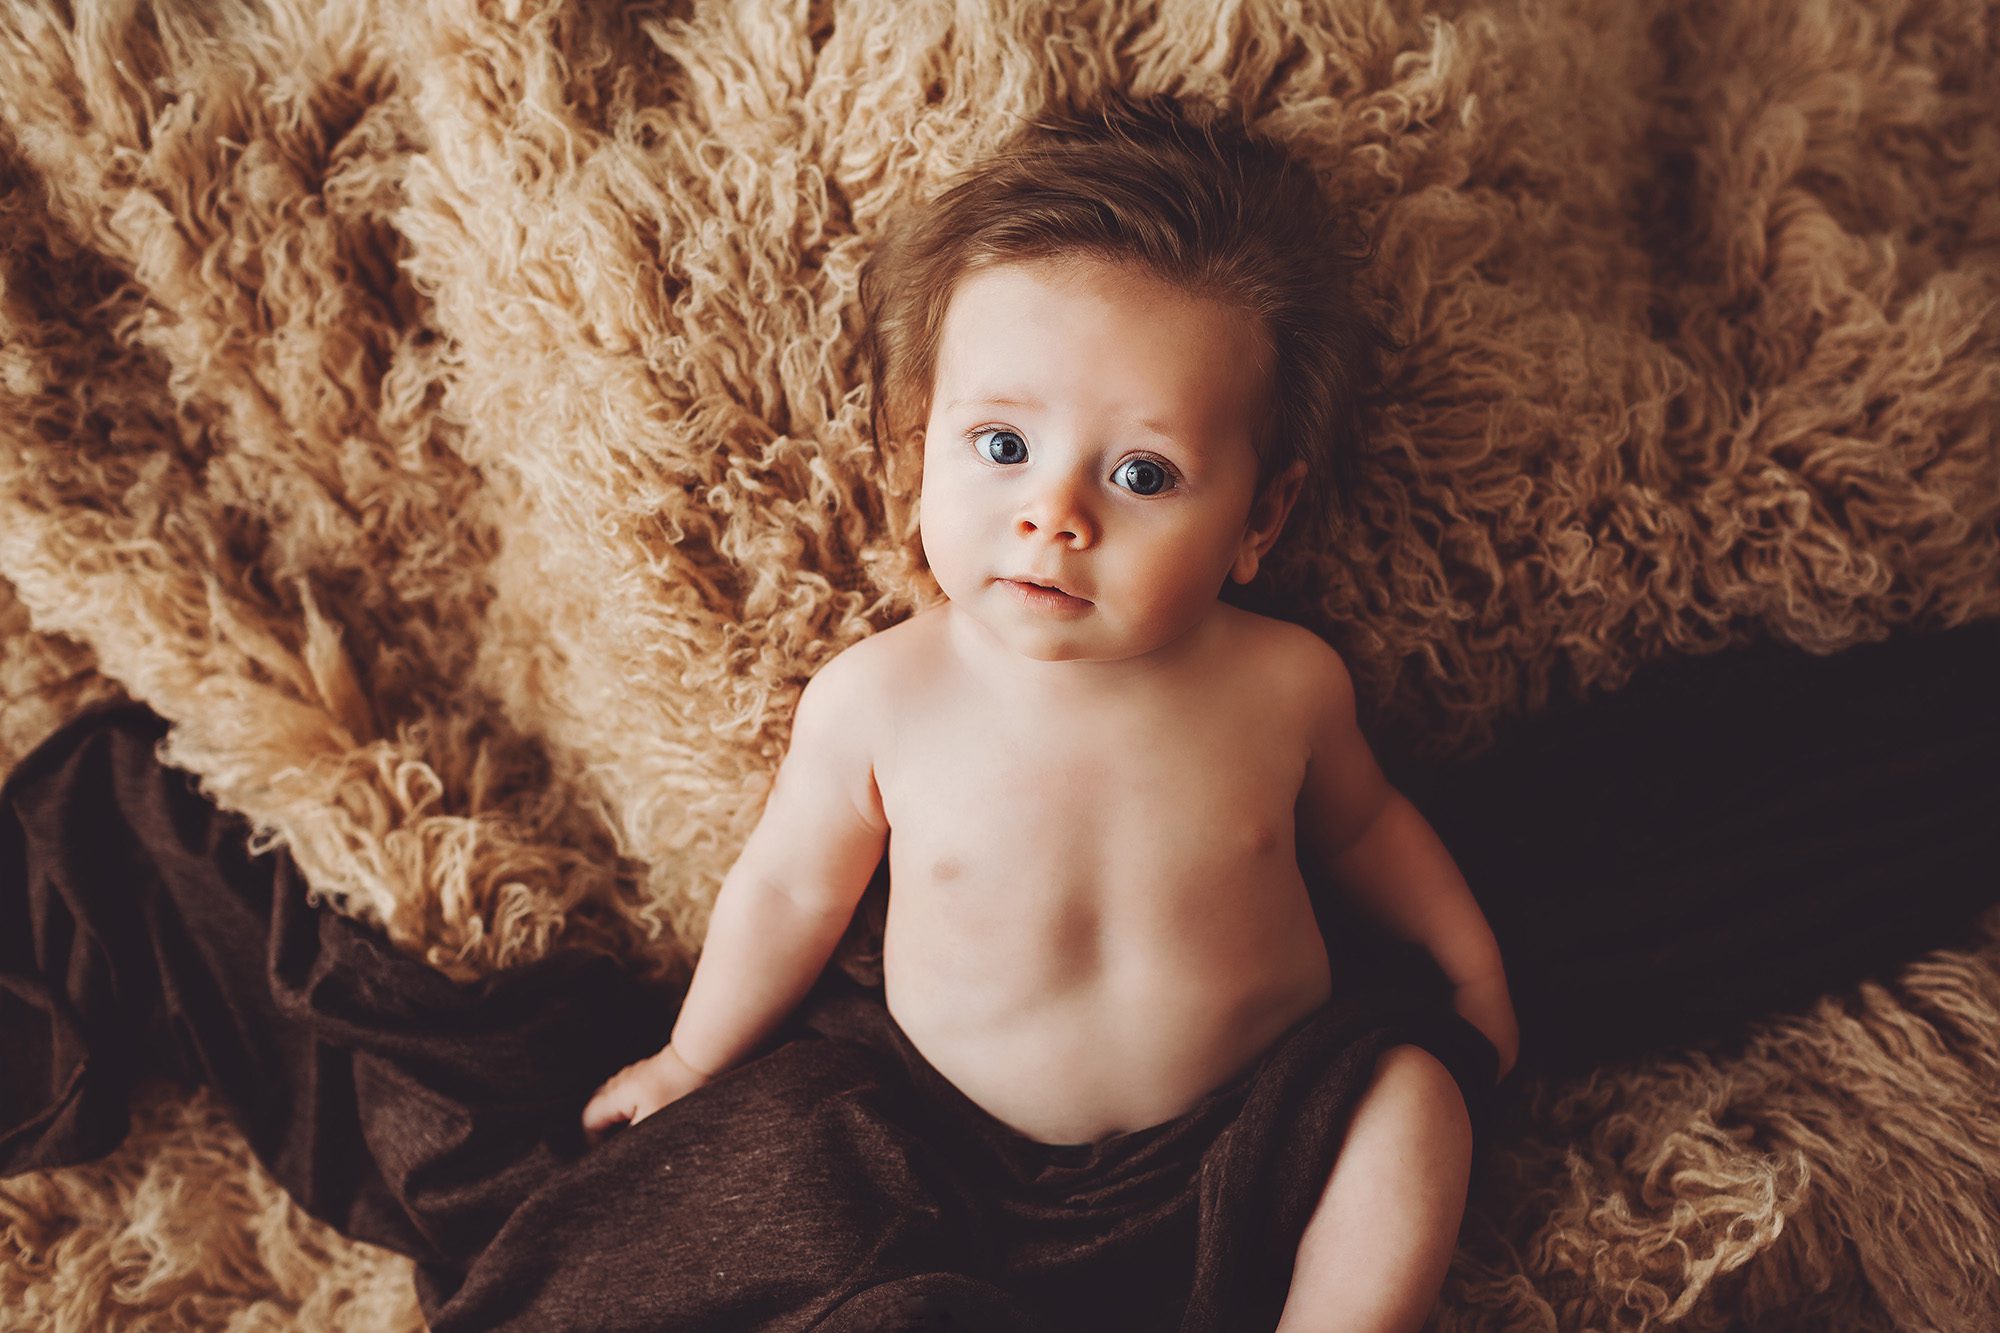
column 448, row 417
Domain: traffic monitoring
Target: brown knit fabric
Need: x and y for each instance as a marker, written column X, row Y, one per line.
column 439, row 1118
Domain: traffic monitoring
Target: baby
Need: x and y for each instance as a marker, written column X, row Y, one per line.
column 1131, row 343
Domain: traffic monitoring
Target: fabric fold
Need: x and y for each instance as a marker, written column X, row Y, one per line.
column 835, row 1180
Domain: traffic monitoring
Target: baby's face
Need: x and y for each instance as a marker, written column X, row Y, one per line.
column 1090, row 427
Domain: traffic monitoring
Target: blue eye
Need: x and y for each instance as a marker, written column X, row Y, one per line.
column 1145, row 475
column 1002, row 435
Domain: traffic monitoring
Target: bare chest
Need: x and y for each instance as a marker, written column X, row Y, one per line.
column 1111, row 844
column 1092, row 920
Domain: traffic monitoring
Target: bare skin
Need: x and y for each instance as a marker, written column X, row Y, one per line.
column 1097, row 912
column 1087, row 935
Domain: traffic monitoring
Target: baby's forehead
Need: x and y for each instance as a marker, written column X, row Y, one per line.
column 1033, row 306
column 1069, row 280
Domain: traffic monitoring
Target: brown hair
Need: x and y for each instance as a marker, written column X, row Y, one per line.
column 1190, row 193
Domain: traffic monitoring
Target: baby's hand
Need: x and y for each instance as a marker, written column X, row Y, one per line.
column 1486, row 1005
column 638, row 1090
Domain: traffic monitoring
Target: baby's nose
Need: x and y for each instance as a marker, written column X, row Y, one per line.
column 1070, row 531
column 1056, row 513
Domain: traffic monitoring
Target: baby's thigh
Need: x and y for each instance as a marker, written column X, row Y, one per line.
column 1383, row 1232
column 789, row 1185
column 817, row 1137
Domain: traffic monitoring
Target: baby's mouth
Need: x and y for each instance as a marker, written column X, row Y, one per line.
column 1046, row 587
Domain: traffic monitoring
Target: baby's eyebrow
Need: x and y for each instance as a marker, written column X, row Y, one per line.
column 1160, row 428
column 994, row 402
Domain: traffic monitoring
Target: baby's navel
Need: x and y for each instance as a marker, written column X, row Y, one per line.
column 946, row 869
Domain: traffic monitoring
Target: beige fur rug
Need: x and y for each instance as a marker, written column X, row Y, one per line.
column 447, row 416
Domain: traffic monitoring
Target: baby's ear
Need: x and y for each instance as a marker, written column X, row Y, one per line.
column 1267, row 520
column 1283, row 493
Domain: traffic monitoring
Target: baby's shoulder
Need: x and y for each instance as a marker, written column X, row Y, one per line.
column 1293, row 673
column 860, row 676
column 911, row 655
column 1283, row 654
column 852, row 678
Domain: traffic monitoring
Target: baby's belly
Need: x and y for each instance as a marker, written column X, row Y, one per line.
column 1067, row 1040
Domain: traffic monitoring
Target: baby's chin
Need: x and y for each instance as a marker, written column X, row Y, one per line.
column 1087, row 638
column 1063, row 652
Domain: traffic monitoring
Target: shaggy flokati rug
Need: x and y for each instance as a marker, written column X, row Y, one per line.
column 447, row 416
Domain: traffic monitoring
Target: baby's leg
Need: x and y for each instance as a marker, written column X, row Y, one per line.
column 1375, row 1250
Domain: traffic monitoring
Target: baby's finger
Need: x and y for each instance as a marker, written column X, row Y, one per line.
column 604, row 1112
column 596, row 1133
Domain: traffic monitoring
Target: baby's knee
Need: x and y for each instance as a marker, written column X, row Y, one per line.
column 1408, row 1150
column 1420, row 1079
column 1414, row 1096
column 1380, row 1240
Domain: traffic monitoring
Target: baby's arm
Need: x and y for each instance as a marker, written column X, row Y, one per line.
column 782, row 907
column 1382, row 851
